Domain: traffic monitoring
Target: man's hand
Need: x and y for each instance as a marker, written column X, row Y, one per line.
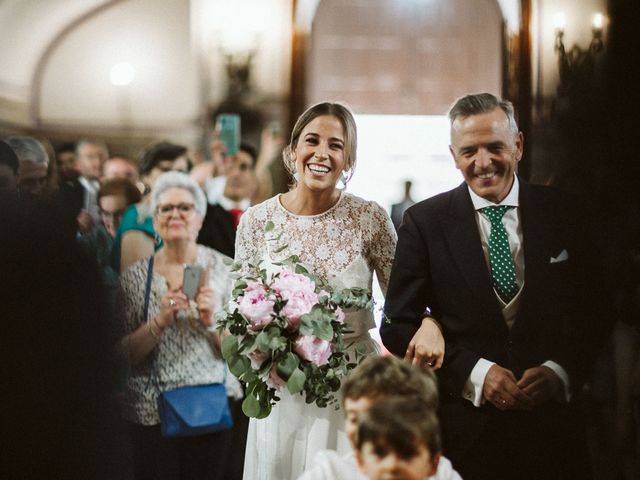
column 427, row 345
column 502, row 390
column 541, row 384
column 85, row 222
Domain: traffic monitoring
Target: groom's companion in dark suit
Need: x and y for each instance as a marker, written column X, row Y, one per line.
column 227, row 206
column 508, row 271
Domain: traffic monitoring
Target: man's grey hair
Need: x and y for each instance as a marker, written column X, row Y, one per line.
column 28, row 148
column 86, row 141
column 178, row 180
column 482, row 103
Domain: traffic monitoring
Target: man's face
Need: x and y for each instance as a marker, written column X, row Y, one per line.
column 487, row 153
column 32, row 177
column 241, row 181
column 67, row 165
column 120, row 168
column 90, row 160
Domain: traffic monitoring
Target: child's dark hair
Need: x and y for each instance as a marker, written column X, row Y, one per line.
column 401, row 425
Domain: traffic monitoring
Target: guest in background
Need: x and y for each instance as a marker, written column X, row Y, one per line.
column 114, row 197
column 66, row 162
column 223, row 213
column 90, row 155
column 33, row 165
column 119, row 166
column 397, row 209
column 136, row 237
column 175, row 345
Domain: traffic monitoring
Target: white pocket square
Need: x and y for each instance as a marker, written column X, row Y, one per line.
column 562, row 257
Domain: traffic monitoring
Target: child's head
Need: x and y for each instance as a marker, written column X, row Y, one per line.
column 378, row 377
column 398, row 438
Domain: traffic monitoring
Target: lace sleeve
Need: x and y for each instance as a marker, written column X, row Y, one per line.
column 247, row 240
column 381, row 244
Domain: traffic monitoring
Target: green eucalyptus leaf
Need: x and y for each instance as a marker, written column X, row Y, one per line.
column 287, row 365
column 269, row 226
column 281, row 249
column 229, row 347
column 323, row 330
column 251, row 406
column 295, row 384
column 262, row 341
column 238, row 365
column 301, row 269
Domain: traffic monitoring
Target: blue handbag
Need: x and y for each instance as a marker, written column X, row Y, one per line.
column 195, row 410
column 192, row 410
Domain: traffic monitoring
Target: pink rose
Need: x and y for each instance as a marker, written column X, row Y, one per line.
column 275, row 380
column 256, row 306
column 289, row 284
column 257, row 359
column 297, row 306
column 339, row 315
column 313, row 349
column 299, row 292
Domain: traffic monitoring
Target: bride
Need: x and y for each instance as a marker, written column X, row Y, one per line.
column 342, row 239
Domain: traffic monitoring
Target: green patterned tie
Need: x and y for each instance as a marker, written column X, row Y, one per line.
column 503, row 272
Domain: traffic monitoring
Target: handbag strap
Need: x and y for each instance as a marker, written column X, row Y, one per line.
column 153, row 373
column 147, row 292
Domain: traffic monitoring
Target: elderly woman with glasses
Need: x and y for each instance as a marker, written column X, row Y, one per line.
column 174, row 345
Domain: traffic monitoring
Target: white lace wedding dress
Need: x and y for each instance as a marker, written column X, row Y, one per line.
column 343, row 246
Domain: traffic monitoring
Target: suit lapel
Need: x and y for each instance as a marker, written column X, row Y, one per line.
column 461, row 232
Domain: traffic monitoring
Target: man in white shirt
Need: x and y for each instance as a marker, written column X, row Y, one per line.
column 505, row 268
column 90, row 157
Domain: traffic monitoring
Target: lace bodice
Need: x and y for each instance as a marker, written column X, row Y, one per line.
column 343, row 246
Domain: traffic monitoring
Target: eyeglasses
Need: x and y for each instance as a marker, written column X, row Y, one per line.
column 184, row 210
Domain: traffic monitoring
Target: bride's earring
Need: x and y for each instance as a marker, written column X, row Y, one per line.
column 344, row 178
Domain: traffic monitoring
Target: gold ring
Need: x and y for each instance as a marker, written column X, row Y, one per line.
column 172, row 302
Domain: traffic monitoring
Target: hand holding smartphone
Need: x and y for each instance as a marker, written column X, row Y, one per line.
column 228, row 130
column 192, row 280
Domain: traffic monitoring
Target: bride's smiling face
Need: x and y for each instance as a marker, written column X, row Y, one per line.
column 320, row 153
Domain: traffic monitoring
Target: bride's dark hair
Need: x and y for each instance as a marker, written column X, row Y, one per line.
column 342, row 113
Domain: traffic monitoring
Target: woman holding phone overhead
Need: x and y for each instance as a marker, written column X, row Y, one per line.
column 174, row 344
column 340, row 238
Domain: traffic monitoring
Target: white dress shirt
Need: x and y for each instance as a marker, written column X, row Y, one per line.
column 90, row 200
column 473, row 387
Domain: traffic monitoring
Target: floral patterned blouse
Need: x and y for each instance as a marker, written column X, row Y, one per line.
column 185, row 354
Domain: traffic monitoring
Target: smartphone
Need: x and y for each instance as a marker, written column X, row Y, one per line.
column 228, row 129
column 191, row 280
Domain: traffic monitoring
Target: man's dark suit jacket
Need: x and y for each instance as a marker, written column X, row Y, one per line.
column 218, row 231
column 440, row 264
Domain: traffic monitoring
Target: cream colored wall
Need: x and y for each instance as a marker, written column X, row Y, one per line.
column 154, row 38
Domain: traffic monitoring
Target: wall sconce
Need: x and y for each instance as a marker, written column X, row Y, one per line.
column 577, row 65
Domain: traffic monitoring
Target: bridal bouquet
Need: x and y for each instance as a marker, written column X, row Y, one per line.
column 287, row 332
